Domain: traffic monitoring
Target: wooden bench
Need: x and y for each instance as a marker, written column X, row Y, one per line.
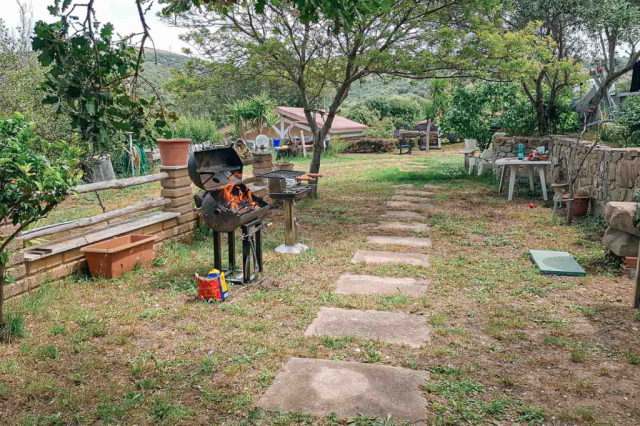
column 408, row 145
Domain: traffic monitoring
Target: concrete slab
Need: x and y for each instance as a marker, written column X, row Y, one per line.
column 415, row 193
column 392, row 327
column 406, row 205
column 409, row 198
column 404, row 215
column 400, row 241
column 381, row 257
column 401, row 226
column 318, row 387
column 368, row 284
column 403, row 185
column 432, row 187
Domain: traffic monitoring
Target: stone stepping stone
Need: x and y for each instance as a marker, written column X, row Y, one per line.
column 382, row 257
column 400, row 241
column 407, row 205
column 416, row 193
column 433, row 187
column 421, row 165
column 402, row 226
column 392, row 327
column 404, row 215
column 403, row 185
column 318, row 387
column 408, row 198
column 368, row 284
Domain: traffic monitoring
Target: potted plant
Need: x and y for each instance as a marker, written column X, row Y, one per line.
column 580, row 201
column 174, row 152
column 112, row 258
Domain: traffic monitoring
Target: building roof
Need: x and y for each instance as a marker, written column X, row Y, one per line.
column 339, row 123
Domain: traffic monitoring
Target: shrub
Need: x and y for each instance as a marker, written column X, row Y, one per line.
column 198, row 130
column 362, row 114
column 629, row 121
column 381, row 130
column 371, row 145
column 403, row 110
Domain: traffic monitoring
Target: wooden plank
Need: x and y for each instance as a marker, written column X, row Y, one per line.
column 83, row 223
column 119, row 183
column 100, row 234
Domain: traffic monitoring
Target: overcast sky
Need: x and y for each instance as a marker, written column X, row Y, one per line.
column 122, row 14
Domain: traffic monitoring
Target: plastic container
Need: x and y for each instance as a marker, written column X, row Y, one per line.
column 213, row 286
column 112, row 258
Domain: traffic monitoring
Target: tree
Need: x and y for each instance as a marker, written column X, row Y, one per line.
column 35, row 176
column 556, row 64
column 94, row 78
column 415, row 38
column 613, row 26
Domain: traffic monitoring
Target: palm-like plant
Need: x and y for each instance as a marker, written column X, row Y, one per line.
column 262, row 108
column 240, row 113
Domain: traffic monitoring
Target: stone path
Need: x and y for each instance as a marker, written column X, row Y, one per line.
column 393, row 327
column 402, row 226
column 404, row 215
column 407, row 205
column 319, row 387
column 369, row 284
column 416, row 193
column 408, row 198
column 381, row 257
column 400, row 241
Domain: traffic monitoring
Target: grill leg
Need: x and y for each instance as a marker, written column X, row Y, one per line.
column 258, row 241
column 217, row 250
column 231, row 242
column 246, row 256
column 290, row 236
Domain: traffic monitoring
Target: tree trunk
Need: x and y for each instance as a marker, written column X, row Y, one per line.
column 317, row 152
column 1, row 297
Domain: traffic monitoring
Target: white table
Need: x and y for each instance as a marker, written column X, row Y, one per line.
column 532, row 166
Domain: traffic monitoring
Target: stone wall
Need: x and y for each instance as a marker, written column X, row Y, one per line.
column 608, row 174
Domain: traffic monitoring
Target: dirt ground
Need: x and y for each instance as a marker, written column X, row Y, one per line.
column 508, row 345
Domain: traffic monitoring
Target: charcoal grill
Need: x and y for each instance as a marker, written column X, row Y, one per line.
column 226, row 205
column 279, row 190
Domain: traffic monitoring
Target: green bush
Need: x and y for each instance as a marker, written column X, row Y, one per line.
column 629, row 120
column 371, row 145
column 403, row 110
column 381, row 129
column 361, row 114
column 198, row 130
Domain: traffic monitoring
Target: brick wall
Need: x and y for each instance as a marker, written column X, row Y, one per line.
column 29, row 274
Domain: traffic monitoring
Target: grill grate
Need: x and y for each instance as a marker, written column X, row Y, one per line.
column 281, row 174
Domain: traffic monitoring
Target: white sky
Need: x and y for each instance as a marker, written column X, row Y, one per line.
column 123, row 14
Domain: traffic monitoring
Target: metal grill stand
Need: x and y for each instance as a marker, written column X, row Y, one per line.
column 251, row 252
column 291, row 244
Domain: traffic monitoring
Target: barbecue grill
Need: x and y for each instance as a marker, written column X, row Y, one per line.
column 283, row 186
column 227, row 204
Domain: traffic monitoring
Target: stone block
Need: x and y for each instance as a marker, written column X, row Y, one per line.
column 152, row 229
column 176, row 192
column 620, row 216
column 169, row 233
column 8, row 230
column 16, row 259
column 17, row 271
column 176, row 173
column 168, row 224
column 16, row 244
column 71, row 255
column 65, row 269
column 184, row 229
column 180, row 201
column 187, row 217
column 621, row 243
column 184, row 209
column 176, row 183
column 13, row 290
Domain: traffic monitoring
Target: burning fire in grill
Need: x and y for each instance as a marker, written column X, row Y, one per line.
column 238, row 198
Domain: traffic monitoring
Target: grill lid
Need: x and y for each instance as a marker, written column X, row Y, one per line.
column 214, row 168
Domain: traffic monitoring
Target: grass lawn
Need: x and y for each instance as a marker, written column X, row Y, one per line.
column 508, row 345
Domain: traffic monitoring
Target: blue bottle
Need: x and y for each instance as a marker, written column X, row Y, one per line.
column 520, row 151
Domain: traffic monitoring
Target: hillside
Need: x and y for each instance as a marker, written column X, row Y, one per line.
column 157, row 68
column 374, row 86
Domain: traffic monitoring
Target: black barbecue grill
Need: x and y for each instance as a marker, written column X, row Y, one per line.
column 226, row 205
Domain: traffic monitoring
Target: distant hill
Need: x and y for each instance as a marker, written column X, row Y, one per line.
column 374, row 86
column 157, row 68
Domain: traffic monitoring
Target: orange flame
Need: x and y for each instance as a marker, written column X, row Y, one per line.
column 238, row 197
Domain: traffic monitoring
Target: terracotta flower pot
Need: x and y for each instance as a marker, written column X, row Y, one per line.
column 174, row 152
column 112, row 258
column 580, row 205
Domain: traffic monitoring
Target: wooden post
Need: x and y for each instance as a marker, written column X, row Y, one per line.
column 428, row 135
column 290, row 236
column 304, row 145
